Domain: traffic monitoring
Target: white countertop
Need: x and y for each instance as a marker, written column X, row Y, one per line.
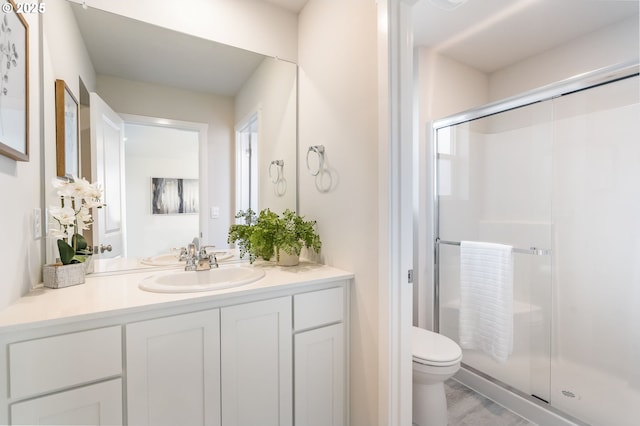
column 107, row 295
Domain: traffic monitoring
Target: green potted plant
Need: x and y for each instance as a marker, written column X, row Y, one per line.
column 268, row 234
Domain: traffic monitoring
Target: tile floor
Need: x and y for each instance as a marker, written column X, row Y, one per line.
column 468, row 408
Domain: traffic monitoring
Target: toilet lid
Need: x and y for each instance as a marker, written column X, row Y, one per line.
column 433, row 348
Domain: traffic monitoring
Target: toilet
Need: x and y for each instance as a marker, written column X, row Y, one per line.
column 436, row 358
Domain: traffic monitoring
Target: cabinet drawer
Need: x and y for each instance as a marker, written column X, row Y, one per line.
column 98, row 404
column 318, row 308
column 56, row 362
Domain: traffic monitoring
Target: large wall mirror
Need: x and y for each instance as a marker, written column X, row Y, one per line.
column 181, row 106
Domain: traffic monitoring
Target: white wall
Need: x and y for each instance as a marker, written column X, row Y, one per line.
column 271, row 90
column 155, row 151
column 446, row 86
column 257, row 26
column 613, row 44
column 129, row 97
column 66, row 58
column 67, row 51
column 338, row 109
column 21, row 256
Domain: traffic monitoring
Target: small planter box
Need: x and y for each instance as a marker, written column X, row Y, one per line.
column 59, row 275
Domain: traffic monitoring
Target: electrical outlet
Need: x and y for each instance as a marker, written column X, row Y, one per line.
column 37, row 223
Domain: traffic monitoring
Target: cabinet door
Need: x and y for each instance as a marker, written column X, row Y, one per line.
column 173, row 370
column 98, row 404
column 320, row 377
column 256, row 355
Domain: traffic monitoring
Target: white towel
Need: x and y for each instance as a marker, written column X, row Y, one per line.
column 486, row 298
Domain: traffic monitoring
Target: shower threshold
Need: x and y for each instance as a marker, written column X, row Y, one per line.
column 523, row 405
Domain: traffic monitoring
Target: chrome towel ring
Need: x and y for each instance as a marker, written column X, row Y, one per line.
column 278, row 175
column 319, row 151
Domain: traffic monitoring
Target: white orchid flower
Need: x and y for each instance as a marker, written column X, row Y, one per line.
column 57, row 233
column 77, row 198
column 84, row 219
column 91, row 203
column 93, row 191
column 64, row 215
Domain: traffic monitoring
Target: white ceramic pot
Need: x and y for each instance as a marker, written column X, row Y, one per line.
column 285, row 259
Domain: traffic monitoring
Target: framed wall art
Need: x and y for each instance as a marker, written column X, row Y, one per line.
column 67, row 145
column 14, row 84
column 174, row 196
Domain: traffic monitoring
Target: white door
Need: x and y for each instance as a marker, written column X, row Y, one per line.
column 173, row 370
column 319, row 384
column 107, row 140
column 257, row 359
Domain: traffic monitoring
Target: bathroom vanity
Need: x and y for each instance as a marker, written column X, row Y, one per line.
column 272, row 352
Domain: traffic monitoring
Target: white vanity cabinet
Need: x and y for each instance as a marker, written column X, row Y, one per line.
column 173, row 370
column 65, row 379
column 320, row 358
column 274, row 354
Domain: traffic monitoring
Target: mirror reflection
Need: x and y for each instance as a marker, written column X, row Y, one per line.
column 172, row 110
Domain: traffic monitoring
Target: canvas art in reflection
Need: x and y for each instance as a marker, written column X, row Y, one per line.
column 174, row 196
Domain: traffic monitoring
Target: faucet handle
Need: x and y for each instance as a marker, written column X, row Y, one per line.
column 203, row 249
column 181, row 252
column 213, row 261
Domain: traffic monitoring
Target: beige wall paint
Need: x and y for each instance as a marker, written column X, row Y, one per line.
column 20, row 188
column 339, row 109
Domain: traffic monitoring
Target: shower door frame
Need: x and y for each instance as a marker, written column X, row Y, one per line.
column 571, row 85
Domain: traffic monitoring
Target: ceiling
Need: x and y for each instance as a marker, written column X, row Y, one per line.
column 294, row 6
column 142, row 52
column 485, row 34
column 491, row 34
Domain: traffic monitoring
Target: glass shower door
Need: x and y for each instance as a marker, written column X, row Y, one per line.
column 494, row 177
column 596, row 288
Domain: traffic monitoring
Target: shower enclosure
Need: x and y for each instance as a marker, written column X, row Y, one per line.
column 555, row 174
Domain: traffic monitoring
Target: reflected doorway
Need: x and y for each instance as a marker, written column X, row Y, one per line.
column 161, row 163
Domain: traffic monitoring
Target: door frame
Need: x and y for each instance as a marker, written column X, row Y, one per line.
column 203, row 160
column 396, row 211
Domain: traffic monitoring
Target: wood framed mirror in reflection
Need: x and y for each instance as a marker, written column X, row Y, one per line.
column 167, row 81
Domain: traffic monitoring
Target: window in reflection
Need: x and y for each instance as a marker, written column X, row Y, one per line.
column 247, row 164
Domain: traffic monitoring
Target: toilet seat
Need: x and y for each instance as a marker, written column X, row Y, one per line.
column 434, row 349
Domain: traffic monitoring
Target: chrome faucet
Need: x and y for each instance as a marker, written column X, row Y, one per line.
column 200, row 260
column 191, row 258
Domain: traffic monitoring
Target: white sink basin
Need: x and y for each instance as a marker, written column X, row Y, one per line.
column 171, row 259
column 193, row 281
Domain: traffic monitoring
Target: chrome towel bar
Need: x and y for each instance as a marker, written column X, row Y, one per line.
column 533, row 250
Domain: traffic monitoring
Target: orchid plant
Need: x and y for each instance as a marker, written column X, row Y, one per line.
column 77, row 198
